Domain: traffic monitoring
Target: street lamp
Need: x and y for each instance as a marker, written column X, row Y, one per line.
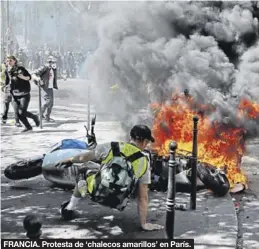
column 170, row 203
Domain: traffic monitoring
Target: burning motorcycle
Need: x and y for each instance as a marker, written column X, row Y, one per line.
column 208, row 176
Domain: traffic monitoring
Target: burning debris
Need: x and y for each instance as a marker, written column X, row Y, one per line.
column 219, row 144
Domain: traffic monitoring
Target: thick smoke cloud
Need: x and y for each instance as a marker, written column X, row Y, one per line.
column 150, row 49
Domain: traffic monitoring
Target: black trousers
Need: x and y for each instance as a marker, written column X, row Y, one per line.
column 22, row 103
column 7, row 101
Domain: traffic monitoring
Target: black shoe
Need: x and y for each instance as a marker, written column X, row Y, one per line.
column 3, row 121
column 18, row 124
column 27, row 129
column 37, row 121
column 67, row 214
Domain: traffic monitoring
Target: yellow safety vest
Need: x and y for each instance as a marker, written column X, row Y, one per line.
column 140, row 165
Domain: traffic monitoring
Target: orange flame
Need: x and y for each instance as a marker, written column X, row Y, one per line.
column 218, row 144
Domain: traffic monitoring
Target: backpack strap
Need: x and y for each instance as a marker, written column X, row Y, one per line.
column 137, row 155
column 116, row 152
column 115, row 148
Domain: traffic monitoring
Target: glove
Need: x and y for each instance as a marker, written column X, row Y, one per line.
column 151, row 227
column 64, row 164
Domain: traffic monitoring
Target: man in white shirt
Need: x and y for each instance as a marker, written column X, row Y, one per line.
column 48, row 75
column 51, row 78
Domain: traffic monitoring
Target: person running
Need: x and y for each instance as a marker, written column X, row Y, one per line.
column 19, row 79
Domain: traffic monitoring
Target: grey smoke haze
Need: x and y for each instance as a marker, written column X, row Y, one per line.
column 151, row 49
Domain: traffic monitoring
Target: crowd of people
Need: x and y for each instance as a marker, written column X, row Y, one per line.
column 68, row 62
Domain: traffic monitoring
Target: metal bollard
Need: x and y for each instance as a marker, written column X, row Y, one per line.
column 170, row 203
column 40, row 110
column 194, row 163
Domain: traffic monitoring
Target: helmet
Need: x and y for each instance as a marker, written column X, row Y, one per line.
column 141, row 132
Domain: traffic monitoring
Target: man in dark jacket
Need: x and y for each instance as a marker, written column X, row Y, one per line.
column 19, row 79
column 48, row 76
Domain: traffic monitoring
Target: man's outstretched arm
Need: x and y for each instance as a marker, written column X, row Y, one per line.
column 143, row 203
column 143, row 209
column 81, row 158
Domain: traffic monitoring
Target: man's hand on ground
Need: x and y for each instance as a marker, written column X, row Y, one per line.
column 151, row 227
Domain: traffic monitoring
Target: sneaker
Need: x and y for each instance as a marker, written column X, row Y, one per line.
column 37, row 121
column 67, row 214
column 27, row 129
column 18, row 124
